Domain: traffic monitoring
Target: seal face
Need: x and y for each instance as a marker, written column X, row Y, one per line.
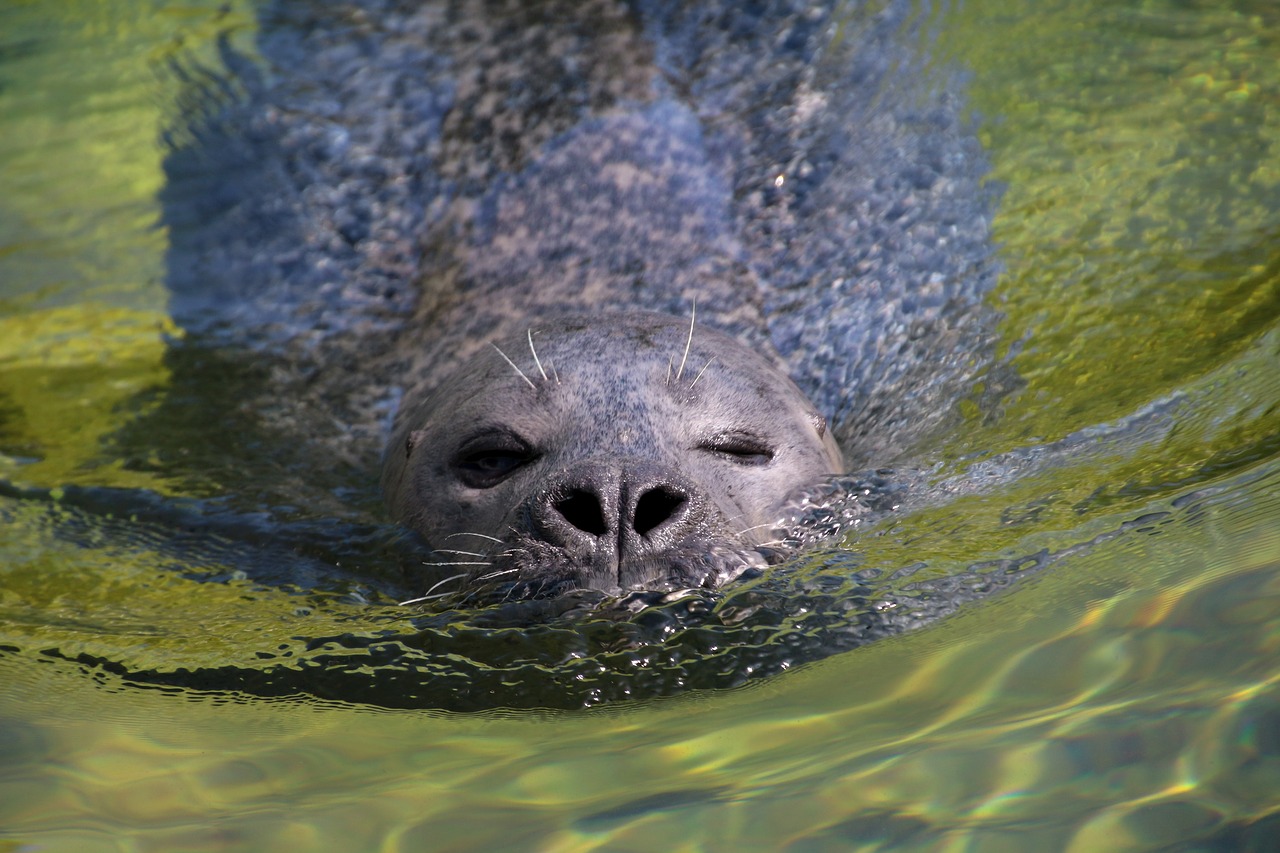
column 612, row 452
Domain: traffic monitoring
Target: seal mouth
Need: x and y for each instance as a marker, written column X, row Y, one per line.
column 532, row 569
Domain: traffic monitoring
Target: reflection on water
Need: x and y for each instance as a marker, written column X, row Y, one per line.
column 1125, row 697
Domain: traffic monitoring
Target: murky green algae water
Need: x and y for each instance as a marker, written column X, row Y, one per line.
column 1128, row 698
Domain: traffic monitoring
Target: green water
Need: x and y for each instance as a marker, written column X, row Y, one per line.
column 1126, row 699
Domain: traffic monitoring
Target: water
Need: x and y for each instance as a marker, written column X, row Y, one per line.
column 1125, row 697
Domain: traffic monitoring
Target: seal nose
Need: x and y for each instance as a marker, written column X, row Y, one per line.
column 656, row 506
column 615, row 516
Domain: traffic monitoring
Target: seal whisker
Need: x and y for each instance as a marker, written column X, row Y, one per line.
column 670, row 366
column 756, row 527
column 511, row 591
column 513, row 366
column 702, row 371
column 441, row 583
column 423, row 598
column 481, row 535
column 693, row 315
column 451, row 551
column 536, row 360
column 427, row 595
column 460, row 563
column 496, row 574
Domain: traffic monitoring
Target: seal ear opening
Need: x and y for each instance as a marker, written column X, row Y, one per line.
column 834, row 452
column 411, row 441
column 394, row 469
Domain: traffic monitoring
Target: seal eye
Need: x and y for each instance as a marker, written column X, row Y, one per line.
column 739, row 448
column 489, row 463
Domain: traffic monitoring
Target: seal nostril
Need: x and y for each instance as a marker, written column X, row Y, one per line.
column 582, row 510
column 654, row 508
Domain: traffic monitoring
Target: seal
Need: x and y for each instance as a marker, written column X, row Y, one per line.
column 611, row 452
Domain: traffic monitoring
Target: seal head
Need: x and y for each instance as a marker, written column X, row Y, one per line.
column 610, row 452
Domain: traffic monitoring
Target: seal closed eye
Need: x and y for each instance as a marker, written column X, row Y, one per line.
column 740, row 448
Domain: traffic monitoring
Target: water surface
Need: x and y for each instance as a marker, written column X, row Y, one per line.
column 1125, row 697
